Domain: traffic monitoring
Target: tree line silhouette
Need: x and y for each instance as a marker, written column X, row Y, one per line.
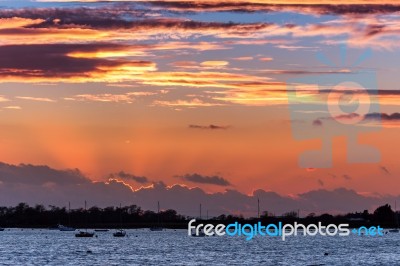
column 38, row 216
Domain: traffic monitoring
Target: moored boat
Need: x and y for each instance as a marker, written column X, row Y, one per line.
column 157, row 227
column 120, row 233
column 84, row 234
column 65, row 228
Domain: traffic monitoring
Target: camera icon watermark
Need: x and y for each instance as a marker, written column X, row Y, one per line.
column 332, row 104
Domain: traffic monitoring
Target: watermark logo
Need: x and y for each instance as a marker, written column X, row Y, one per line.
column 331, row 104
column 249, row 231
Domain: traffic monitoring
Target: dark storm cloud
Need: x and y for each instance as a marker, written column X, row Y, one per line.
column 346, row 177
column 129, row 177
column 352, row 9
column 213, row 180
column 52, row 60
column 44, row 185
column 98, row 18
column 212, row 127
column 79, row 16
column 374, row 30
column 200, row 6
column 384, row 170
column 383, row 116
column 347, row 116
column 332, row 175
column 128, row 16
column 243, row 6
column 340, row 198
column 114, row 10
column 39, row 175
column 317, row 122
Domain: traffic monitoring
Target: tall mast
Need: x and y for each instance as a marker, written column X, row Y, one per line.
column 86, row 217
column 69, row 214
column 395, row 214
column 120, row 216
column 158, row 213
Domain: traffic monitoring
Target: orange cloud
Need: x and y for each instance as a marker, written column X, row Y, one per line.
column 15, row 22
column 243, row 58
column 273, row 94
column 186, row 103
column 266, row 59
column 128, row 97
column 13, row 107
column 3, row 99
column 214, row 64
column 38, row 99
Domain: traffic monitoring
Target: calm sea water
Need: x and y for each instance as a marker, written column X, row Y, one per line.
column 170, row 247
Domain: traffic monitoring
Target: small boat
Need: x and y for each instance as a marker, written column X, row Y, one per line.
column 396, row 229
column 101, row 230
column 84, row 234
column 158, row 227
column 2, row 229
column 119, row 233
column 65, row 228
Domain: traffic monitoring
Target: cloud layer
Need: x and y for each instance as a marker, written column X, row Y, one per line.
column 211, row 127
column 42, row 184
column 129, row 177
column 200, row 179
column 130, row 42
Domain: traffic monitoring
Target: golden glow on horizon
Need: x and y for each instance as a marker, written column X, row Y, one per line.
column 106, row 54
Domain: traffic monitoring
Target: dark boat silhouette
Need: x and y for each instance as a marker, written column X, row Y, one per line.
column 120, row 232
column 85, row 233
column 1, row 229
column 67, row 228
column 157, row 227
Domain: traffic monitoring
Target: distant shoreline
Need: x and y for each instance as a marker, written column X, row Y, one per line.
column 133, row 217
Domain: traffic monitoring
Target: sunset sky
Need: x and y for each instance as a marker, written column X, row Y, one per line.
column 195, row 92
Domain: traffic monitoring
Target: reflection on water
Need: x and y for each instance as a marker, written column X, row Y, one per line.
column 142, row 247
